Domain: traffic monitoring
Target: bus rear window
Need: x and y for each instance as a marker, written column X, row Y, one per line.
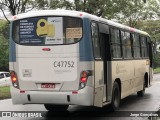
column 47, row 30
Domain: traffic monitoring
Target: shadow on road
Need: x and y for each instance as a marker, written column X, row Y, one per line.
column 81, row 112
column 94, row 112
column 132, row 100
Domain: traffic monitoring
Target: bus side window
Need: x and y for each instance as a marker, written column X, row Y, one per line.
column 126, row 43
column 136, row 46
column 115, row 44
column 15, row 32
column 105, row 46
column 144, row 48
column 104, row 41
column 95, row 40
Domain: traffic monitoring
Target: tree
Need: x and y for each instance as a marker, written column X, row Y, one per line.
column 4, row 40
column 21, row 6
column 153, row 28
column 132, row 12
column 129, row 12
column 104, row 8
column 136, row 11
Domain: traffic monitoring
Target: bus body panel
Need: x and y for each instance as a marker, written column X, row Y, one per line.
column 36, row 66
column 50, row 97
column 99, row 84
column 63, row 87
column 61, row 65
column 131, row 74
column 103, row 87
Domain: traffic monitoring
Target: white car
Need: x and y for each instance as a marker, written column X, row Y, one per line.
column 5, row 79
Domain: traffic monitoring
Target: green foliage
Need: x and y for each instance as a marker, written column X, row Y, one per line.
column 136, row 11
column 4, row 52
column 157, row 70
column 153, row 28
column 5, row 92
column 156, row 61
column 4, row 28
column 21, row 6
column 127, row 12
column 104, row 8
column 130, row 12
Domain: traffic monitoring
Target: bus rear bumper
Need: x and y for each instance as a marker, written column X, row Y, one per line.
column 81, row 97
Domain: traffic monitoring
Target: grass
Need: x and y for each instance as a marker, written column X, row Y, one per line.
column 5, row 92
column 157, row 70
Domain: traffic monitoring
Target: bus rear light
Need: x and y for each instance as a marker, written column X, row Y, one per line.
column 81, row 14
column 15, row 85
column 14, row 79
column 84, row 74
column 22, row 91
column 74, row 92
column 13, row 76
column 14, row 17
column 46, row 49
column 83, row 78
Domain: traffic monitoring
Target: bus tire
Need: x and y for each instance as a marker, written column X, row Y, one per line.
column 51, row 107
column 141, row 92
column 116, row 97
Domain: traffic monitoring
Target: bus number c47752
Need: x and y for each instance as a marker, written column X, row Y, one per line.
column 65, row 64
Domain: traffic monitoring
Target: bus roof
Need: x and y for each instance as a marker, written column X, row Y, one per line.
column 76, row 14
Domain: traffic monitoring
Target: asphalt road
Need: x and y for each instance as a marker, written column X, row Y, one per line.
column 130, row 105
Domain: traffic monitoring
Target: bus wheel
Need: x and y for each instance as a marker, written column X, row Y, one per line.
column 115, row 97
column 141, row 92
column 51, row 107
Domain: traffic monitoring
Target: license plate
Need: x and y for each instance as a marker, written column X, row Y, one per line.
column 47, row 85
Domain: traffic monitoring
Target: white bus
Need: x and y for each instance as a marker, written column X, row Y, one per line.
column 60, row 58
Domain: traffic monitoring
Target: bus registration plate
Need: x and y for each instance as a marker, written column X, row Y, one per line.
column 47, row 85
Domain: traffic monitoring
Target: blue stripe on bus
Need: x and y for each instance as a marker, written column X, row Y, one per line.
column 85, row 45
column 12, row 47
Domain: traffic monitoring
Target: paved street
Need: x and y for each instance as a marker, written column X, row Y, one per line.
column 150, row 102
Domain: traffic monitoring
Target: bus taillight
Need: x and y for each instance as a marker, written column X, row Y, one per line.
column 83, row 78
column 14, row 79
